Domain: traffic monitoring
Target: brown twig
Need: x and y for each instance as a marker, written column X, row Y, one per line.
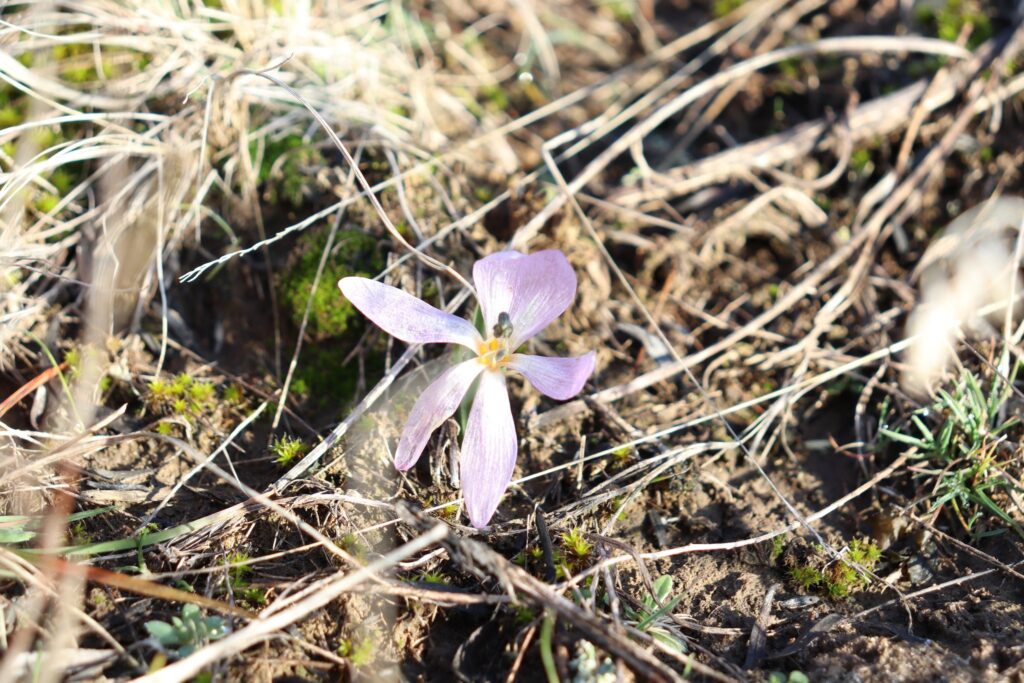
column 484, row 563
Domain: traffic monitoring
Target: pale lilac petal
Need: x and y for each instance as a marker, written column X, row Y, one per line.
column 488, row 449
column 533, row 289
column 560, row 378
column 494, row 288
column 404, row 316
column 435, row 405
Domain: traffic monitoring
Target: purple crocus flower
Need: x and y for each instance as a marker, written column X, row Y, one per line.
column 519, row 295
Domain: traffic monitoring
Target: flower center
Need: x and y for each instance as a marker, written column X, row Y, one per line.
column 495, row 352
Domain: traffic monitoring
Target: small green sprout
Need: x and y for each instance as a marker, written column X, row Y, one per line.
column 654, row 615
column 950, row 19
column 522, row 613
column 287, row 450
column 576, row 546
column 180, row 384
column 74, row 360
column 778, row 547
column 46, row 202
column 841, row 577
column 185, row 634
column 450, row 512
column 352, row 544
column 299, row 387
column 861, row 163
column 793, row 677
column 183, row 395
column 621, row 455
column 238, row 579
column 436, row 578
column 724, row 7
column 238, row 569
column 79, row 534
column 234, row 395
column 805, row 577
column 159, row 389
column 202, row 394
column 359, row 652
column 962, row 435
column 256, row 597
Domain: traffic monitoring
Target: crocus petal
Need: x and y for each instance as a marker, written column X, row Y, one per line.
column 435, row 405
column 404, row 316
column 560, row 378
column 488, row 449
column 533, row 289
column 493, row 285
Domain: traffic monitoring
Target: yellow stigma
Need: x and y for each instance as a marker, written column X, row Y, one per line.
column 493, row 353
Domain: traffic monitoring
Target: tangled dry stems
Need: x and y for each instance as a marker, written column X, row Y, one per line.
column 175, row 136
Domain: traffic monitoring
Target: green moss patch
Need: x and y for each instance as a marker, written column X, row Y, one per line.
column 353, row 253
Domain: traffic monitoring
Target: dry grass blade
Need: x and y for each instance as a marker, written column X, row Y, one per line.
column 483, row 562
column 58, row 567
column 746, row 487
column 30, row 386
column 261, row 628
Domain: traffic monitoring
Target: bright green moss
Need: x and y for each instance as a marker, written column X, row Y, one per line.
column 46, row 202
column 184, row 396
column 576, row 545
column 840, row 578
column 353, row 253
column 62, row 180
column 805, row 577
column 360, row 652
column 287, row 450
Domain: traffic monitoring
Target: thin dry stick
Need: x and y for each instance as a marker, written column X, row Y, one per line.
column 294, row 362
column 361, row 179
column 260, row 629
column 733, row 545
column 30, row 576
column 301, row 467
column 203, row 462
column 852, row 44
column 876, row 118
column 484, row 563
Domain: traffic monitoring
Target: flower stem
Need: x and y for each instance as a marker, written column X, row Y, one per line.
column 547, row 657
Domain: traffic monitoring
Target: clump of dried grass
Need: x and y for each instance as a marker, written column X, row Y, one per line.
column 185, row 132
column 157, row 103
column 160, row 114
